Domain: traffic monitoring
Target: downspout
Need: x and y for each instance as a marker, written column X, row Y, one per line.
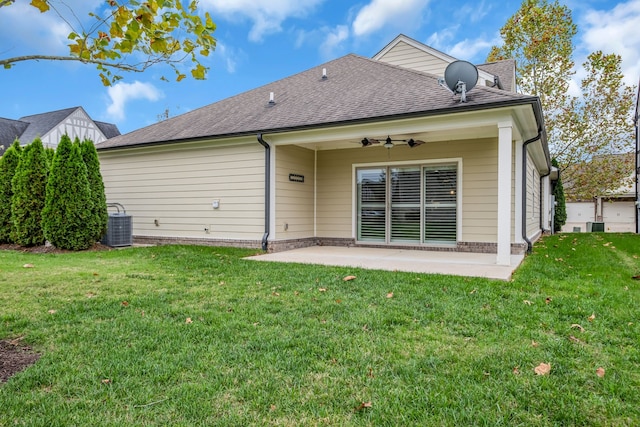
column 267, row 191
column 524, row 189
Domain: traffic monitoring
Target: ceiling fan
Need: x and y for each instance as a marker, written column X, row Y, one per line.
column 388, row 143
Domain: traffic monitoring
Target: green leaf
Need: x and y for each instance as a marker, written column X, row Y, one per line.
column 199, row 72
column 41, row 5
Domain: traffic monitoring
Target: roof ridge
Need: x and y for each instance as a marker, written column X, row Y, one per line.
column 51, row 112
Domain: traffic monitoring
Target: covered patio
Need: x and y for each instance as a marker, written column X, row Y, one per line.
column 406, row 260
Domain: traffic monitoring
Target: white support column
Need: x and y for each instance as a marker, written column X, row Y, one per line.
column 546, row 204
column 505, row 149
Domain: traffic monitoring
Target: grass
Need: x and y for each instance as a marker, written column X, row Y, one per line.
column 180, row 335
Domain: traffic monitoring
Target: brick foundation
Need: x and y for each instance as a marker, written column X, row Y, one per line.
column 152, row 240
column 286, row 245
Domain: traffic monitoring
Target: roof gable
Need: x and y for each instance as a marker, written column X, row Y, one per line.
column 356, row 89
column 414, row 45
column 407, row 52
column 41, row 124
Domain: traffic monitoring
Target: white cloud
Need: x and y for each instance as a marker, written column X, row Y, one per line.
column 25, row 30
column 333, row 41
column 476, row 11
column 380, row 13
column 471, row 50
column 440, row 39
column 229, row 56
column 121, row 93
column 615, row 31
column 267, row 15
column 28, row 31
column 474, row 50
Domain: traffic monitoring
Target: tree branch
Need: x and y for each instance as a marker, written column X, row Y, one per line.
column 125, row 67
column 6, row 2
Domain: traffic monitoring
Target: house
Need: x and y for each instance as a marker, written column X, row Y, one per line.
column 356, row 151
column 614, row 210
column 50, row 126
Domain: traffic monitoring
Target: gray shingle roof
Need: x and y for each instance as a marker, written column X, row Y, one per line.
column 40, row 124
column 109, row 130
column 357, row 89
column 9, row 131
column 505, row 70
column 28, row 128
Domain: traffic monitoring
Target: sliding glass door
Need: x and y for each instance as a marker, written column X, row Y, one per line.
column 408, row 204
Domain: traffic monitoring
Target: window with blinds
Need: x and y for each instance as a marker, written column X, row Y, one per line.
column 409, row 204
column 440, row 203
column 405, row 204
column 372, row 212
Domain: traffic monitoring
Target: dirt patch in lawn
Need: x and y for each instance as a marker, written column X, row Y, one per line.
column 48, row 249
column 14, row 358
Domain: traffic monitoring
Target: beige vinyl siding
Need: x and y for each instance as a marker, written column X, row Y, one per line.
column 176, row 185
column 533, row 199
column 405, row 55
column 294, row 200
column 479, row 183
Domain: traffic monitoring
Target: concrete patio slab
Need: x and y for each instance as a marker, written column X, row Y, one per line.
column 431, row 262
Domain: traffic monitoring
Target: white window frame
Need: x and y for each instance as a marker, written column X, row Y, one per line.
column 421, row 164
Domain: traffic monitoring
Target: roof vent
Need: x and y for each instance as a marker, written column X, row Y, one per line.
column 271, row 99
column 324, row 74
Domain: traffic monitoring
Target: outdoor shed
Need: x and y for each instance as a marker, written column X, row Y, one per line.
column 356, row 151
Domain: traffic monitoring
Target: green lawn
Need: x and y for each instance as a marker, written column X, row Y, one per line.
column 197, row 336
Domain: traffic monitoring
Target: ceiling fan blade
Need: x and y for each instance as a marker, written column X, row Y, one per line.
column 414, row 142
column 369, row 141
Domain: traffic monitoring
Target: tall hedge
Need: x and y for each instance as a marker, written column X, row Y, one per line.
column 29, row 187
column 99, row 214
column 66, row 218
column 560, row 214
column 50, row 152
column 8, row 164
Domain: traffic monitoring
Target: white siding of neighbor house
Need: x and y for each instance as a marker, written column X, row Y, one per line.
column 533, row 199
column 619, row 216
column 405, row 55
column 77, row 125
column 479, row 184
column 294, row 200
column 177, row 184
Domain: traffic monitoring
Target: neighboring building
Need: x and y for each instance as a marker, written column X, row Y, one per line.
column 50, row 127
column 613, row 211
column 303, row 161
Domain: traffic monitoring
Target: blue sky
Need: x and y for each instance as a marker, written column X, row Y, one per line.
column 259, row 41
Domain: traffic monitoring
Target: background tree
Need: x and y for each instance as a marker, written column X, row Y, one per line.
column 99, row 214
column 132, row 36
column 597, row 134
column 8, row 164
column 29, row 186
column 66, row 217
column 539, row 36
column 560, row 214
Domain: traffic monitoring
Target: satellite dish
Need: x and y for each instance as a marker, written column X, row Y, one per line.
column 460, row 77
